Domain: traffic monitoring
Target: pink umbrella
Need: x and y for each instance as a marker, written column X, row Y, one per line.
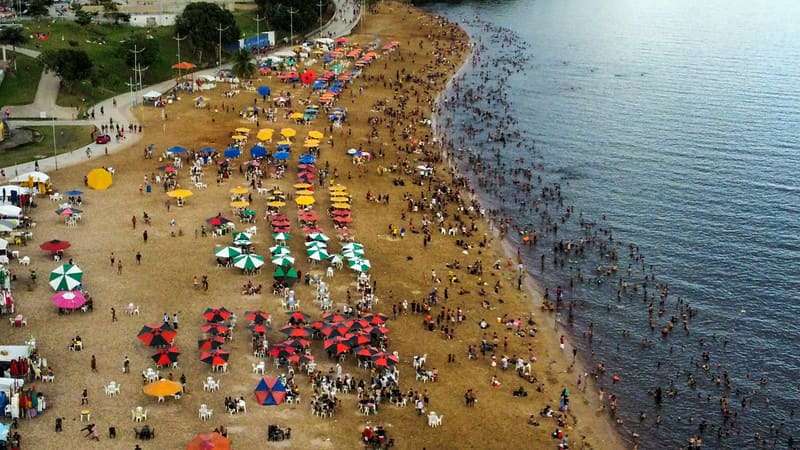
column 68, row 299
column 343, row 219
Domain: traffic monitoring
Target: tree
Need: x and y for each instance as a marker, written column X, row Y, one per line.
column 72, row 65
column 13, row 36
column 201, row 21
column 38, row 8
column 139, row 41
column 243, row 65
column 83, row 17
column 306, row 17
column 111, row 11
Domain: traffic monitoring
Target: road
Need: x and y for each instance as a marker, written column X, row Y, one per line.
column 342, row 23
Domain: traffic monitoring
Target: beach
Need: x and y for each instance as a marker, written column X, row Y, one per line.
column 464, row 278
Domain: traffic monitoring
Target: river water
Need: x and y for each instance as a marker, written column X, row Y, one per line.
column 676, row 124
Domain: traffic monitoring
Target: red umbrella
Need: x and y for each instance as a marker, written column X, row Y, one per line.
column 277, row 351
column 341, row 212
column 359, row 340
column 215, row 357
column 259, row 328
column 212, row 343
column 343, row 219
column 328, row 343
column 297, row 343
column 216, row 314
column 309, row 230
column 157, row 335
column 217, row 221
column 298, row 317
column 317, row 325
column 358, row 324
column 334, row 317
column 308, row 216
column 214, row 328
column 281, row 223
column 335, row 331
column 257, row 316
column 376, row 318
column 379, row 330
column 308, row 76
column 55, row 246
column 296, row 331
column 340, row 348
column 382, row 359
column 366, row 351
column 166, row 357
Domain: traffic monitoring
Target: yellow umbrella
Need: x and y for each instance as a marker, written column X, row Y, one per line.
column 288, row 132
column 99, row 179
column 179, row 193
column 162, row 388
column 240, row 204
column 276, row 204
column 301, row 186
column 285, row 142
column 264, row 134
column 304, row 200
column 338, row 187
column 340, row 199
column 341, row 206
column 304, row 192
column 243, row 130
column 294, row 116
column 311, row 143
column 315, row 134
column 239, row 190
column 239, row 137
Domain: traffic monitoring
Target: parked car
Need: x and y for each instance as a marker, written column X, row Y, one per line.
column 102, row 139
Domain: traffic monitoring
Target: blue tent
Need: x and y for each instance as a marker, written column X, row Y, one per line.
column 307, row 159
column 270, row 391
column 281, row 156
column 258, row 151
column 176, row 149
column 208, row 150
column 232, row 152
column 263, row 91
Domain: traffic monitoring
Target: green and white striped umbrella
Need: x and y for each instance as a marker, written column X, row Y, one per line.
column 318, row 237
column 353, row 253
column 248, row 261
column 316, row 244
column 282, row 260
column 359, row 265
column 285, row 272
column 277, row 250
column 318, row 254
column 336, row 259
column 227, row 252
column 281, row 236
column 66, row 277
column 353, row 246
column 242, row 239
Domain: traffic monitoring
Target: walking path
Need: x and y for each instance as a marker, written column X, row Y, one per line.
column 342, row 23
column 46, row 96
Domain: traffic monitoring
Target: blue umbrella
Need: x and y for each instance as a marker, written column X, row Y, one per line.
column 74, row 193
column 208, row 150
column 283, row 147
column 263, row 91
column 176, row 149
column 232, row 152
column 281, row 156
column 258, row 151
column 307, row 159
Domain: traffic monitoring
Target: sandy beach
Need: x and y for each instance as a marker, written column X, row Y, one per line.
column 386, row 117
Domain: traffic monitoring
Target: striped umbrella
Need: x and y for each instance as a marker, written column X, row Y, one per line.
column 318, row 254
column 248, row 261
column 359, row 265
column 227, row 252
column 282, row 260
column 66, row 277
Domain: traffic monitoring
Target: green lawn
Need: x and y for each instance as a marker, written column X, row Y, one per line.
column 68, row 139
column 20, row 88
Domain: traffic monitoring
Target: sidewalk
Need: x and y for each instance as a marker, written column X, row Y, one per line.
column 46, row 96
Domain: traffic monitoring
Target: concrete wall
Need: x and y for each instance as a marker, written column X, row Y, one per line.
column 149, row 20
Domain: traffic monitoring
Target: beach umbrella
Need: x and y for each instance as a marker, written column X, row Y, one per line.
column 281, row 350
column 318, row 237
column 340, row 206
column 337, row 188
column 73, row 193
column 99, row 179
column 280, row 250
column 318, row 254
column 288, row 132
column 242, row 239
column 339, row 348
column 270, row 391
column 209, row 441
column 177, row 149
column 333, row 317
column 257, row 316
column 284, row 146
column 334, row 331
column 220, row 314
column 248, row 212
column 282, row 260
column 258, row 151
column 302, row 186
column 212, row 343
column 340, row 199
column 232, row 152
column 298, row 343
column 296, row 331
column 353, row 246
column 166, row 357
column 376, row 318
column 307, row 159
column 162, row 388
column 214, row 329
column 315, row 244
column 157, row 335
column 258, row 328
column 353, row 253
column 68, row 299
column 342, row 219
column 183, row 65
column 217, row 221
column 281, row 155
column 66, row 277
column 238, row 204
column 359, row 339
column 263, row 90
column 55, row 246
column 296, row 115
column 382, row 359
column 315, row 134
column 239, row 190
column 281, row 236
column 208, row 150
column 180, row 193
column 264, row 134
column 366, row 351
column 242, row 130
column 357, row 325
column 304, row 192
column 239, row 137
column 298, row 317
column 215, row 357
column 304, row 200
column 248, row 261
column 308, row 216
column 341, row 212
column 359, row 265
column 276, row 204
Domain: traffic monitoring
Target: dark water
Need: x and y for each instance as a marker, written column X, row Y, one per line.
column 679, row 120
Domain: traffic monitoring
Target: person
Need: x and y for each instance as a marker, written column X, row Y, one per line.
column 94, row 364
column 85, row 397
column 126, row 365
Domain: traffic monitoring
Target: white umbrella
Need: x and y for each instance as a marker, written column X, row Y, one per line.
column 37, row 177
column 10, row 211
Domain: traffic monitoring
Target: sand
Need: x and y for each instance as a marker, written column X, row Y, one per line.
column 163, row 284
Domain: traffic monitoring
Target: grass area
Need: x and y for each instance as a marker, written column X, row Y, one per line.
column 68, row 138
column 19, row 88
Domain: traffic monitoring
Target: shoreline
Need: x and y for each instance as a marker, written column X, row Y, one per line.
column 531, row 286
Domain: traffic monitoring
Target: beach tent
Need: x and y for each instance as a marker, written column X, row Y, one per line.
column 152, row 95
column 270, row 391
column 99, row 179
column 209, row 441
column 35, row 177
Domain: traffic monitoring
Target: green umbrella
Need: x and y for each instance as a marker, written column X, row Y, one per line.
column 316, row 244
column 353, row 254
column 248, row 212
column 285, row 272
column 359, row 265
column 242, row 239
column 282, row 260
column 318, row 254
column 336, row 259
column 248, row 261
column 66, row 277
column 318, row 237
column 227, row 252
column 352, row 246
column 277, row 250
column 281, row 236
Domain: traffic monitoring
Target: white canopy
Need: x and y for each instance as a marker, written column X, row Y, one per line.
column 285, row 54
column 152, row 95
column 38, row 177
column 12, row 352
column 326, row 41
column 10, row 211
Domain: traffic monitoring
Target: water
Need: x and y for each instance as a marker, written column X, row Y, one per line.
column 678, row 120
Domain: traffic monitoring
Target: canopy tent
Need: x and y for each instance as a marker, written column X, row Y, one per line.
column 152, row 95
column 270, row 391
column 10, row 211
column 36, row 177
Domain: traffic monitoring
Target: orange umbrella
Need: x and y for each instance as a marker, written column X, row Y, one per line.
column 209, row 441
column 183, row 65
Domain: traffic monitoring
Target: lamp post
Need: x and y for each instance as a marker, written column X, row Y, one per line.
column 219, row 50
column 55, row 152
column 178, row 38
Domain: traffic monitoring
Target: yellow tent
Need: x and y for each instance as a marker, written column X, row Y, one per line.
column 239, row 190
column 304, row 200
column 314, row 134
column 240, row 204
column 341, row 206
column 162, row 388
column 243, row 130
column 99, row 179
column 288, row 132
column 180, row 193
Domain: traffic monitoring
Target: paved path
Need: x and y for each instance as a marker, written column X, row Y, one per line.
column 341, row 24
column 46, row 96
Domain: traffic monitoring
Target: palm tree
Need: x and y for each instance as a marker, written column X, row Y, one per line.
column 243, row 65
